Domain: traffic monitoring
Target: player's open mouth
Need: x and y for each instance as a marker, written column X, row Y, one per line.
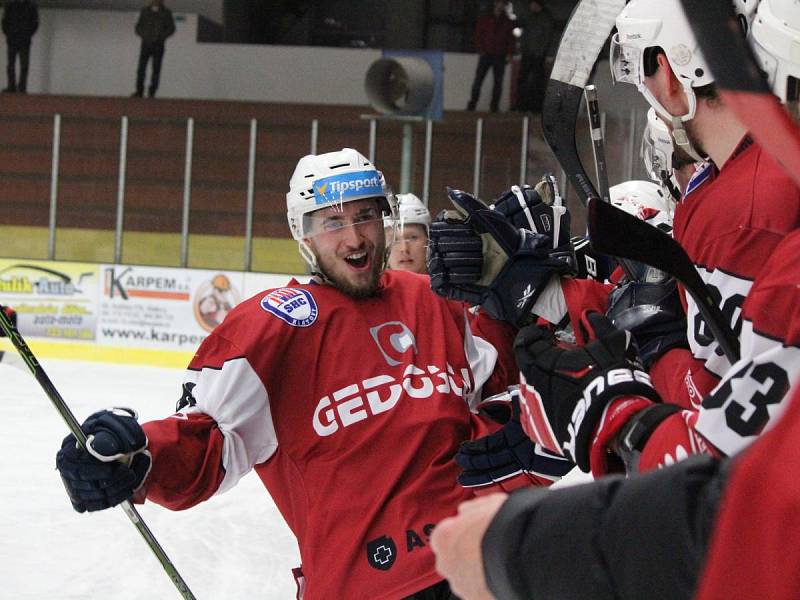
column 357, row 260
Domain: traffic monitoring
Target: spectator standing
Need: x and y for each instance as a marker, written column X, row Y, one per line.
column 20, row 22
column 494, row 42
column 537, row 34
column 154, row 26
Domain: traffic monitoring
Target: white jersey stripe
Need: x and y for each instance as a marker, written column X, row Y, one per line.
column 237, row 400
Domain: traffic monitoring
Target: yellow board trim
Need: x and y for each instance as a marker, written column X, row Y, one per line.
column 270, row 255
column 92, row 352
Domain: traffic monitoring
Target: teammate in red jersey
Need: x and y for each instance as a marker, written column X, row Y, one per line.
column 648, row 536
column 734, row 213
column 408, row 238
column 349, row 397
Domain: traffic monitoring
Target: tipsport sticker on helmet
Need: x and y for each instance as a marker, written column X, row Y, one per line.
column 347, row 186
column 295, row 307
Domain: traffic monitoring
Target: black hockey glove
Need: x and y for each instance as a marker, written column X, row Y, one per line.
column 591, row 264
column 507, row 458
column 515, row 267
column 651, row 310
column 11, row 315
column 114, row 464
column 565, row 391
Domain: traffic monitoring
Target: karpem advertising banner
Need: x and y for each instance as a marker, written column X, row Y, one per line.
column 125, row 307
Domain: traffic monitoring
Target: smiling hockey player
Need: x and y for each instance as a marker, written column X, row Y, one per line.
column 349, row 397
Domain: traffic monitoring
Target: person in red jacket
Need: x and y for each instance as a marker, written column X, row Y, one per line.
column 494, row 42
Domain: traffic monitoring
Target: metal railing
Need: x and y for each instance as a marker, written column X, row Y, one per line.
column 529, row 152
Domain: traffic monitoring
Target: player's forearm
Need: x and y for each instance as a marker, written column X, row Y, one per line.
column 187, row 460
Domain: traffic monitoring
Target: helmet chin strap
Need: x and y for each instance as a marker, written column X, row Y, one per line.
column 682, row 139
column 311, row 260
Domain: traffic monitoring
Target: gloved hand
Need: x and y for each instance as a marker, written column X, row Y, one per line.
column 508, row 459
column 538, row 209
column 11, row 314
column 112, row 467
column 516, row 263
column 589, row 263
column 455, row 259
column 565, row 391
column 652, row 312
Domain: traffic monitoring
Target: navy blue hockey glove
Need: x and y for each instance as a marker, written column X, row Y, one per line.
column 507, row 458
column 538, row 209
column 114, row 464
column 565, row 391
column 516, row 263
column 11, row 314
column 455, row 259
column 651, row 310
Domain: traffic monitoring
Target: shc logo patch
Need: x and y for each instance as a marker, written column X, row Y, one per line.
column 295, row 307
column 381, row 553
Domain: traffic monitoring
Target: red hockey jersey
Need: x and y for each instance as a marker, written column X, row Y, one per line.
column 733, row 224
column 751, row 554
column 350, row 411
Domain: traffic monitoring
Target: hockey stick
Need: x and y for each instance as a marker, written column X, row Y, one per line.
column 598, row 144
column 741, row 83
column 58, row 402
column 613, row 231
column 584, row 37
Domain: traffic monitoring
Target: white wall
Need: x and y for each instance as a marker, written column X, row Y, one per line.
column 208, row 8
column 89, row 52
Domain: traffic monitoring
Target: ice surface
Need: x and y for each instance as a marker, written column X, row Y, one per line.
column 234, row 546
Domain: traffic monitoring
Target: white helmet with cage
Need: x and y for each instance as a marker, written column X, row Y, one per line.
column 645, row 200
column 331, row 179
column 775, row 40
column 410, row 211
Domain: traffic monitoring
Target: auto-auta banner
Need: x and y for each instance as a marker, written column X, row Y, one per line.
column 52, row 300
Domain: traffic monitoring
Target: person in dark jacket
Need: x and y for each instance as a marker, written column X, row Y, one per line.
column 154, row 26
column 20, row 22
column 538, row 30
column 494, row 42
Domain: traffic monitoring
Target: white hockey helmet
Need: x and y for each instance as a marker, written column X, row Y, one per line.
column 331, row 179
column 644, row 24
column 410, row 211
column 645, row 200
column 775, row 40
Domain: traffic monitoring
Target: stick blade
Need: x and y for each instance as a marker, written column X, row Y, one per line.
column 613, row 231
column 559, row 112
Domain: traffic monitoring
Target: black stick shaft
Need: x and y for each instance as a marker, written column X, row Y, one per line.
column 598, row 142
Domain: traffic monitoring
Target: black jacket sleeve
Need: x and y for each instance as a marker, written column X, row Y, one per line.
column 612, row 539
